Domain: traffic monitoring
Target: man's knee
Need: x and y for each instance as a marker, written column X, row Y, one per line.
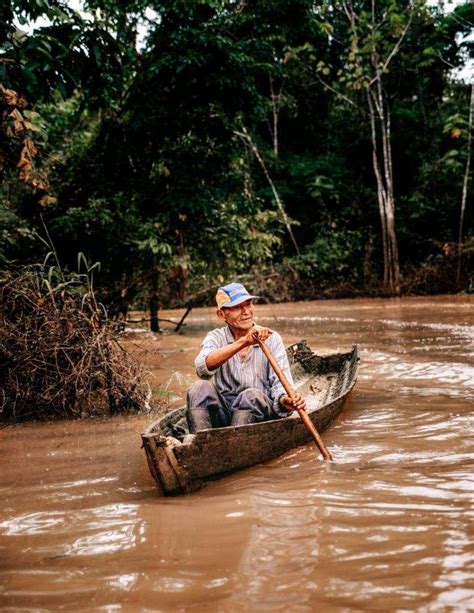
column 200, row 386
column 251, row 396
column 255, row 401
column 200, row 392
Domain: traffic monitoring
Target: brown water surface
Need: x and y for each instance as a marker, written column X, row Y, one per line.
column 387, row 526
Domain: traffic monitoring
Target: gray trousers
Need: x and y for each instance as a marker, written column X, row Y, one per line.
column 203, row 394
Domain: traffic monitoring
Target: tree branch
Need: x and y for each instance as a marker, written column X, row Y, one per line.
column 246, row 138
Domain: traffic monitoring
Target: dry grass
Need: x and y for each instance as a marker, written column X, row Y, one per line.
column 59, row 356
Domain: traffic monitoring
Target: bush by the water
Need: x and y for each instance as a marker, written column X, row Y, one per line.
column 59, row 357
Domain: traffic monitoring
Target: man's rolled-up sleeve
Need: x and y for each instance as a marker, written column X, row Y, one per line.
column 208, row 345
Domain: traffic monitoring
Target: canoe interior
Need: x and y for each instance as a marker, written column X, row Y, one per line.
column 181, row 462
column 319, row 379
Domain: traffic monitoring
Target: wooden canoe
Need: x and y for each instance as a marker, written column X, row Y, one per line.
column 181, row 462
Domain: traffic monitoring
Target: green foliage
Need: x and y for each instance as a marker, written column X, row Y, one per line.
column 145, row 173
column 329, row 259
column 71, row 52
column 14, row 232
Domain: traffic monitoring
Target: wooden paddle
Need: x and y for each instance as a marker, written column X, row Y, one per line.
column 289, row 390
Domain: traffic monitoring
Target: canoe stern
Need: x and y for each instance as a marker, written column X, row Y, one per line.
column 167, row 473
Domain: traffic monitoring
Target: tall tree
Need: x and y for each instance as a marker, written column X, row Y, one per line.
column 465, row 180
column 371, row 39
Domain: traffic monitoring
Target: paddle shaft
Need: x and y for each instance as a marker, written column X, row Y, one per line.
column 289, row 390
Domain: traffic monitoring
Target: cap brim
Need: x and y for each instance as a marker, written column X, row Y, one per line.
column 238, row 301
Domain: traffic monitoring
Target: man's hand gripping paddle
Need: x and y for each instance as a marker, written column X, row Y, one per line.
column 289, row 390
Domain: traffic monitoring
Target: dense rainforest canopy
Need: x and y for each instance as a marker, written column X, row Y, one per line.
column 312, row 147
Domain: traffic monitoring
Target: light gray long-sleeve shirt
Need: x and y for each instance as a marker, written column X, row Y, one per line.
column 235, row 375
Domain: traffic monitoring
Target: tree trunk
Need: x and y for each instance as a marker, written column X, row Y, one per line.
column 154, row 303
column 393, row 282
column 382, row 164
column 276, row 101
column 465, row 183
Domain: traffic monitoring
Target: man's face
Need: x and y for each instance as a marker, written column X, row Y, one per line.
column 239, row 317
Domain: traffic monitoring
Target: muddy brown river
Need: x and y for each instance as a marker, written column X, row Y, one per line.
column 388, row 526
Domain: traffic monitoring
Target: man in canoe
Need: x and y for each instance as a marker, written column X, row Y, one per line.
column 245, row 387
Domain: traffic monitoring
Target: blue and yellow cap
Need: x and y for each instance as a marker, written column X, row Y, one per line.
column 231, row 295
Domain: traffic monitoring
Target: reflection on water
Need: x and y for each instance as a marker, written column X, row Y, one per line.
column 387, row 526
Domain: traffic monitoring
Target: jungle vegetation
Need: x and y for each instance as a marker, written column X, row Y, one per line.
column 310, row 147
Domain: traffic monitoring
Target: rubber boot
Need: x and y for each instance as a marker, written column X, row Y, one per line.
column 242, row 418
column 198, row 419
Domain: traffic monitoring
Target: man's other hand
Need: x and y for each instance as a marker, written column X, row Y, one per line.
column 296, row 404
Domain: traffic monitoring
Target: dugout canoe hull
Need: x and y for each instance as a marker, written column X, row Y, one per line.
column 181, row 462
